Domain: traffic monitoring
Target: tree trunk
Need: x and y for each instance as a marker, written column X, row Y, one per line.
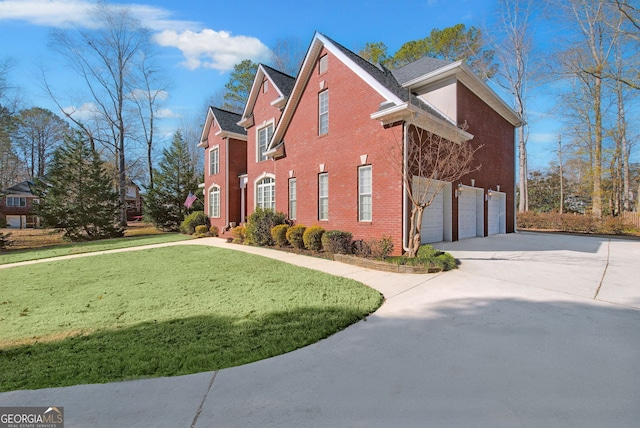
column 414, row 229
column 597, row 155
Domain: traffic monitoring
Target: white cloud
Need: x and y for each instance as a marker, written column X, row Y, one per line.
column 165, row 113
column 86, row 111
column 212, row 49
column 61, row 13
column 543, row 137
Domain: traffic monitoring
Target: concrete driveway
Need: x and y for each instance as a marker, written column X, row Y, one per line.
column 533, row 330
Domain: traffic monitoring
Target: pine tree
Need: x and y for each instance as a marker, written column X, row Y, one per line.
column 175, row 178
column 78, row 195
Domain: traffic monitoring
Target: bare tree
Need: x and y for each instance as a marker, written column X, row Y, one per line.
column 518, row 67
column 287, row 55
column 428, row 162
column 38, row 132
column 588, row 60
column 106, row 57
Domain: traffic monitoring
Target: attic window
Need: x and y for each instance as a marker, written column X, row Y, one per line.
column 265, row 86
column 323, row 64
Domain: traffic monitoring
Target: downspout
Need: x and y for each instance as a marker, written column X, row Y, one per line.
column 405, row 205
column 515, row 202
column 226, row 181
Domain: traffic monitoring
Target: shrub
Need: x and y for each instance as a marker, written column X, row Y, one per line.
column 294, row 236
column 361, row 248
column 312, row 238
column 279, row 234
column 196, row 218
column 336, row 242
column 381, row 248
column 259, row 226
column 201, row 230
column 4, row 240
column 239, row 234
column 214, row 231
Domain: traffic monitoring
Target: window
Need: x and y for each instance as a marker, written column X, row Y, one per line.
column 323, row 196
column 364, row 193
column 264, row 136
column 265, row 87
column 214, row 202
column 323, row 112
column 323, row 64
column 292, row 198
column 214, row 161
column 266, row 194
column 14, row 201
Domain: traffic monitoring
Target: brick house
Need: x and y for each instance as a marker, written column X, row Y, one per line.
column 16, row 206
column 329, row 161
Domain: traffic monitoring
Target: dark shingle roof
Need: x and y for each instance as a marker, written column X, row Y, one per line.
column 418, row 68
column 228, row 120
column 23, row 187
column 388, row 79
column 283, row 81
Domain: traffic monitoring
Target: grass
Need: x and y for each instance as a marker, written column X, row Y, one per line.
column 163, row 312
column 14, row 256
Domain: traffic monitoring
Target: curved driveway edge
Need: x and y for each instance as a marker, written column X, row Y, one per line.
column 532, row 330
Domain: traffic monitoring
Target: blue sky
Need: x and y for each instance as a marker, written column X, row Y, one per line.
column 199, row 41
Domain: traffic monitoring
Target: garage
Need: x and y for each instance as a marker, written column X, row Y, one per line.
column 470, row 212
column 14, row 221
column 497, row 212
column 436, row 220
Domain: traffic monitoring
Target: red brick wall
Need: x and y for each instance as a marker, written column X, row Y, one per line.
column 263, row 112
column 497, row 156
column 227, row 179
column 352, row 133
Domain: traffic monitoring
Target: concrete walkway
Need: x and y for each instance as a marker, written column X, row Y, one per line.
column 533, row 330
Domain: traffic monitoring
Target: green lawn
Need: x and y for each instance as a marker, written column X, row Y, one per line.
column 88, row 247
column 163, row 312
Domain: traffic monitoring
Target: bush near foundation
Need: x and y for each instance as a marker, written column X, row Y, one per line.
column 312, row 238
column 259, row 226
column 239, row 234
column 336, row 242
column 196, row 218
column 294, row 236
column 279, row 234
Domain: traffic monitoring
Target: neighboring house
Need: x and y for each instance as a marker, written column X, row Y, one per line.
column 225, row 146
column 329, row 159
column 16, row 206
column 133, row 200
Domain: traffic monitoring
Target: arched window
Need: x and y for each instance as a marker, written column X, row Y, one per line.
column 266, row 193
column 214, row 202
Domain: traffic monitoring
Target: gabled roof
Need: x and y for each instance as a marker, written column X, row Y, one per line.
column 283, row 83
column 228, row 122
column 413, row 70
column 20, row 188
column 378, row 77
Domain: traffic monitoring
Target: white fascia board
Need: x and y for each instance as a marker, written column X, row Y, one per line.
column 414, row 115
column 466, row 76
column 370, row 80
column 205, row 131
column 279, row 102
column 229, row 134
column 253, row 94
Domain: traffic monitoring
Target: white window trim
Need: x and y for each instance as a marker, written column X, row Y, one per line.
column 13, row 199
column 322, row 197
column 215, row 149
column 219, row 200
column 255, row 188
column 321, row 113
column 265, row 125
column 294, row 200
column 361, row 194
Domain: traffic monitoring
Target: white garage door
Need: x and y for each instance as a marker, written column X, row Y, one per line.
column 470, row 212
column 497, row 208
column 13, row 221
column 433, row 221
column 467, row 214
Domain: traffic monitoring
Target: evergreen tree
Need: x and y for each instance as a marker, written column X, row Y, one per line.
column 239, row 85
column 77, row 195
column 176, row 177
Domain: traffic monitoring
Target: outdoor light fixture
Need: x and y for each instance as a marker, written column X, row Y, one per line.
column 489, row 194
column 459, row 190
